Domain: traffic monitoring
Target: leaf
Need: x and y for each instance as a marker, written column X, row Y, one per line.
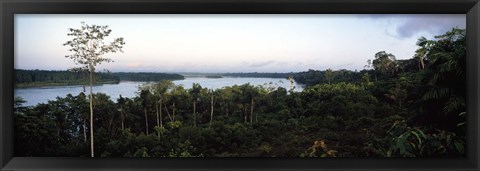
column 399, row 145
column 460, row 147
column 418, row 138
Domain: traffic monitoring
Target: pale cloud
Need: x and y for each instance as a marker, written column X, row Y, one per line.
column 430, row 24
column 404, row 26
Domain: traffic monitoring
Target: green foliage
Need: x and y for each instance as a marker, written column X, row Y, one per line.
column 385, row 62
column 147, row 76
column 398, row 109
column 28, row 78
column 416, row 142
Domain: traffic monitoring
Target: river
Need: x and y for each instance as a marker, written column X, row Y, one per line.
column 35, row 95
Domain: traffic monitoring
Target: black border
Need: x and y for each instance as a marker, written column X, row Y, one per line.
column 10, row 7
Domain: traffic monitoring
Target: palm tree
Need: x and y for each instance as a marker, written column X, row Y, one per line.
column 160, row 90
column 82, row 98
column 211, row 108
column 445, row 76
column 144, row 96
column 422, row 53
column 121, row 103
column 196, row 88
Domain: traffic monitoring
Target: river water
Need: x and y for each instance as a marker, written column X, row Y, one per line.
column 35, row 95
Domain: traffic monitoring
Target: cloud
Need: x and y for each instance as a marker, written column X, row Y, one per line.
column 434, row 25
column 409, row 25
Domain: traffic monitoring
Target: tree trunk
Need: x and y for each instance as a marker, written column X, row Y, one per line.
column 222, row 105
column 122, row 118
column 91, row 116
column 194, row 115
column 173, row 112
column 211, row 110
column 110, row 126
column 58, row 131
column 156, row 111
column 422, row 63
column 244, row 113
column 251, row 112
column 161, row 115
column 84, row 127
column 168, row 114
column 228, row 105
column 146, row 120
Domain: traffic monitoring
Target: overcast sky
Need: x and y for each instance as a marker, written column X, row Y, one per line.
column 230, row 43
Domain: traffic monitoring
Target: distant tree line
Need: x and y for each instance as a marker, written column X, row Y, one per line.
column 147, row 76
column 314, row 77
column 259, row 74
column 29, row 78
column 25, row 78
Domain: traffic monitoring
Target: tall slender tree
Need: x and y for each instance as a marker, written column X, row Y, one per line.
column 211, row 108
column 82, row 98
column 144, row 96
column 196, row 88
column 121, row 103
column 88, row 49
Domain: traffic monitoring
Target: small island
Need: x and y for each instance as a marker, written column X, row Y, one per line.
column 213, row 76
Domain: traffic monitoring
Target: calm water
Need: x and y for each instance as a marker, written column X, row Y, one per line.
column 37, row 95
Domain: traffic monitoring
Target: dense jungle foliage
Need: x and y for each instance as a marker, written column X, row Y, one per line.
column 394, row 108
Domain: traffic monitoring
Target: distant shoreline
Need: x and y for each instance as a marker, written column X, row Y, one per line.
column 39, row 78
column 44, row 84
column 43, row 78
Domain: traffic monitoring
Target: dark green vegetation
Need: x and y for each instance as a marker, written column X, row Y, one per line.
column 147, row 76
column 32, row 78
column 213, row 76
column 259, row 75
column 398, row 108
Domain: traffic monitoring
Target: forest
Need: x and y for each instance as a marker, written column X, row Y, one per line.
column 147, row 76
column 392, row 108
column 33, row 78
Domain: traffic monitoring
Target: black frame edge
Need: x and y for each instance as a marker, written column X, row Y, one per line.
column 6, row 61
column 242, row 7
column 473, row 55
column 7, row 161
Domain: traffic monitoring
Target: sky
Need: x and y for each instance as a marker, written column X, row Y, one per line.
column 230, row 43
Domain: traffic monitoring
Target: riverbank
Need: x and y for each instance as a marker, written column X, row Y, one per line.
column 54, row 84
